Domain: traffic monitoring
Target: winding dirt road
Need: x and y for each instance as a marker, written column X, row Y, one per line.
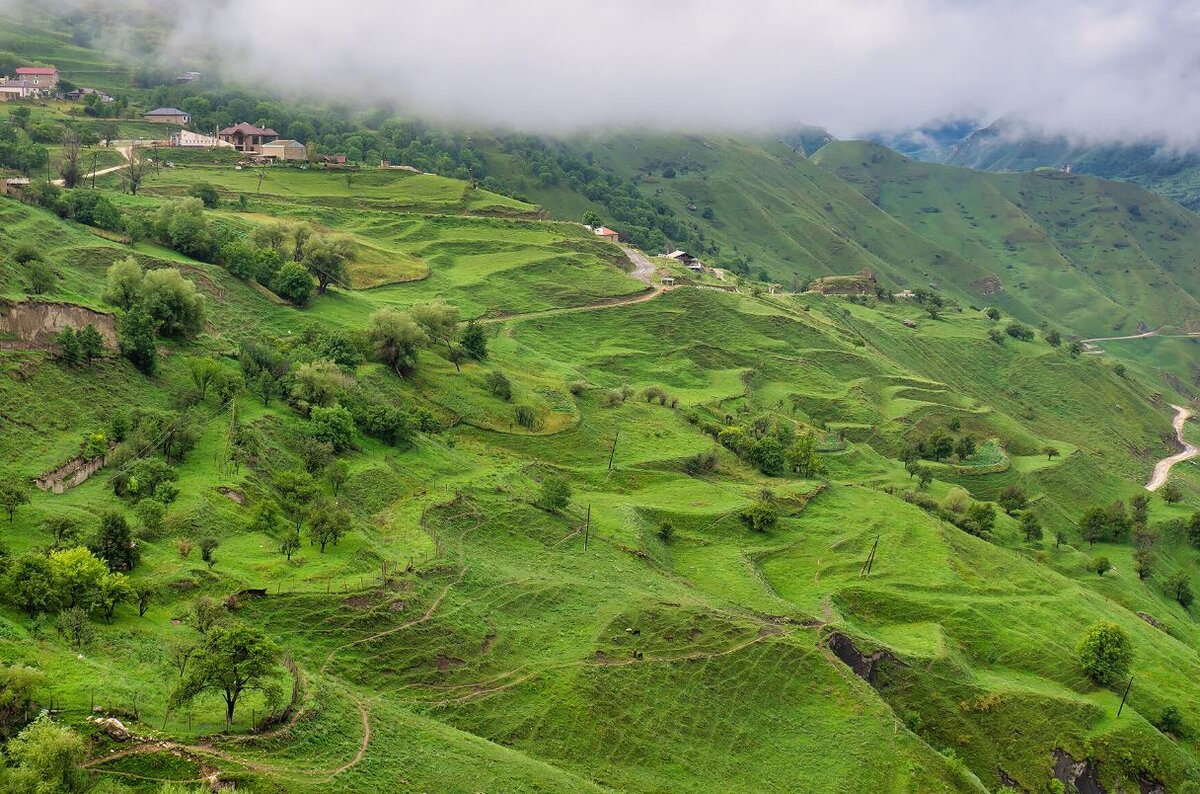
column 1162, row 469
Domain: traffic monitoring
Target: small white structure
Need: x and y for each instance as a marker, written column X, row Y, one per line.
column 905, row 294
column 187, row 139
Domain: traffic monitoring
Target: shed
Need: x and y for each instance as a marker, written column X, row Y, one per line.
column 606, row 233
column 285, row 149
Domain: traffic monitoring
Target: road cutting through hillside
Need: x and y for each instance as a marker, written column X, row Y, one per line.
column 1162, row 469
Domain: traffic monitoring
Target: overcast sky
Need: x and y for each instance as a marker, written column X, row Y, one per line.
column 1102, row 69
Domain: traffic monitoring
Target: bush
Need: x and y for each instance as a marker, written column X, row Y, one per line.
column 701, row 463
column 578, row 387
column 499, row 385
column 1171, row 721
column 527, row 417
column 206, row 193
column 1105, row 652
column 666, row 530
column 1018, row 331
column 1101, row 565
column 293, row 283
column 760, row 516
column 1179, row 588
column 555, row 494
column 333, row 425
column 172, row 301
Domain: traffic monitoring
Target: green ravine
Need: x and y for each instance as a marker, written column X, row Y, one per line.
column 466, row 634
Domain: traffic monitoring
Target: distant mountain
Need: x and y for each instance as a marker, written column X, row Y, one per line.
column 1006, row 145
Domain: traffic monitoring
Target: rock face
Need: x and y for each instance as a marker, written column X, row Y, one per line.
column 35, row 324
column 865, row 666
column 1079, row 774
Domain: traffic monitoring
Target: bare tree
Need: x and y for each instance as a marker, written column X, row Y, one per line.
column 68, row 169
column 135, row 172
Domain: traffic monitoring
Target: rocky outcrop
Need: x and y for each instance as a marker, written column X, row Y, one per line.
column 1080, row 774
column 863, row 665
column 35, row 324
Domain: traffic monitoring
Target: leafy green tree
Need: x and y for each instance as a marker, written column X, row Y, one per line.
column 328, row 259
column 438, row 320
column 13, row 493
column 91, row 344
column 1193, row 528
column 327, row 524
column 114, row 590
column 1050, row 452
column 591, row 218
column 803, row 458
column 555, row 493
column 48, row 759
column 761, row 516
column 333, row 425
column 29, row 584
column 768, row 454
column 144, row 593
column 232, row 660
column 1093, row 525
column 965, row 447
column 203, row 371
column 474, row 341
column 68, row 345
column 114, row 543
column 206, row 193
column 336, row 474
column 293, row 283
column 1075, row 349
column 123, row 283
column 150, row 513
column 1053, row 338
column 499, row 384
column 1179, row 587
column 1170, row 721
column 319, row 382
column 992, row 313
column 396, row 338
column 1101, row 565
column 173, row 302
column 1031, row 527
column 296, row 492
column 1170, row 493
column 208, row 548
column 78, row 573
column 1140, row 506
column 18, row 688
column 289, row 544
column 1012, row 499
column 62, row 528
column 924, row 477
column 42, row 277
column 980, row 518
column 1105, row 652
column 135, row 338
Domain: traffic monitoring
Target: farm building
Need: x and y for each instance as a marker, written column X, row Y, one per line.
column 332, row 159
column 80, row 93
column 607, row 234
column 284, row 150
column 185, row 139
column 43, row 78
column 167, row 116
column 687, row 260
column 14, row 185
column 16, row 89
column 246, row 137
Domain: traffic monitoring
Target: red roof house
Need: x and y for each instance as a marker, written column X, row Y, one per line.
column 43, row 78
column 246, row 137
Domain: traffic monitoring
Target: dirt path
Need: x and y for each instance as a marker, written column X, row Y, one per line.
column 643, row 268
column 125, row 152
column 1162, row 469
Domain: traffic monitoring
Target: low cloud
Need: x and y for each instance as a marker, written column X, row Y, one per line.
column 1097, row 69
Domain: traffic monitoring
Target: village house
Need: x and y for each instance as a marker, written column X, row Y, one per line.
column 188, row 77
column 606, row 233
column 332, row 159
column 187, row 139
column 43, row 78
column 16, row 89
column 168, row 116
column 246, row 137
column 16, row 184
column 79, row 93
column 687, row 260
column 285, row 149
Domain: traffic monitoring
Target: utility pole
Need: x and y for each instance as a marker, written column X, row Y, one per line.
column 1127, row 688
column 587, row 526
column 94, row 154
column 613, row 453
column 870, row 561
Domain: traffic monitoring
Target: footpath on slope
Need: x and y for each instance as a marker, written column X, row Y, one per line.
column 125, row 151
column 1162, row 469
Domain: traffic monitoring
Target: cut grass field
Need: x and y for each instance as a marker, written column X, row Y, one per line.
column 498, row 652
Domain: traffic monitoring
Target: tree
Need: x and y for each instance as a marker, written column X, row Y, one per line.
column 980, row 518
column 48, row 757
column 91, row 344
column 123, row 283
column 336, row 474
column 1101, row 565
column 42, row 277
column 266, row 386
column 1031, row 527
column 18, row 684
column 173, row 302
column 68, row 346
column 114, row 590
column 327, row 524
column 474, row 341
column 666, row 530
column 1180, row 588
column 803, row 459
column 265, row 518
column 29, row 584
column 145, row 593
column 293, row 283
column 1018, row 331
column 1053, row 338
column 1012, row 499
column 555, row 493
column 327, row 260
column 13, row 494
column 396, row 338
column 203, row 372
column 208, row 545
column 1143, row 562
column 296, row 491
column 996, row 335
column 499, row 384
column 1075, row 349
column 1105, row 652
column 1193, row 529
column 62, row 528
column 150, row 513
column 1050, row 452
column 232, row 660
column 208, row 612
column 965, row 447
column 438, row 320
column 68, row 164
column 761, row 516
column 319, row 382
column 114, row 543
column 333, row 425
column 592, row 219
column 1116, row 520
column 1093, row 525
column 768, row 454
column 135, row 170
column 924, row 477
column 135, row 338
column 1140, row 504
column 206, row 193
column 179, row 652
column 992, row 313
column 289, row 544
column 1171, row 493
column 78, row 573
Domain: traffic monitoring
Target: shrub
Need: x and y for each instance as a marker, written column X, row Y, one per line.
column 701, row 463
column 555, row 494
column 1101, row 565
column 1171, row 721
column 527, row 417
column 1179, row 588
column 666, row 530
column 760, row 516
column 499, row 385
column 206, row 193
column 578, row 387
column 1105, row 652
column 613, row 398
column 333, row 425
column 1018, row 331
